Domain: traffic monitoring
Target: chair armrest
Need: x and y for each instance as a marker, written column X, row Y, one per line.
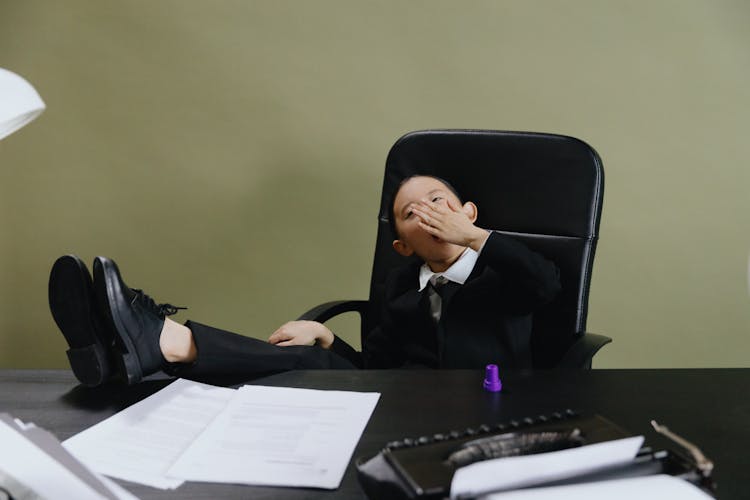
column 582, row 351
column 328, row 310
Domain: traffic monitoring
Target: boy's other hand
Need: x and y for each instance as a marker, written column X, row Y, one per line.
column 452, row 224
column 302, row 333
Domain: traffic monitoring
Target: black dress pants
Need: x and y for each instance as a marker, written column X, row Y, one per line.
column 225, row 356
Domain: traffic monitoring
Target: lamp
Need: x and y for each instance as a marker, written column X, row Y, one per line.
column 19, row 102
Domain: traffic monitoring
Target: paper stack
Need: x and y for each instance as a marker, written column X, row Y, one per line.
column 33, row 464
column 257, row 435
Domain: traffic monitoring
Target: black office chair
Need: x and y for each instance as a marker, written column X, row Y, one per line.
column 543, row 189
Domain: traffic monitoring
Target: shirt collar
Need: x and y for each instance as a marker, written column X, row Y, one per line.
column 458, row 272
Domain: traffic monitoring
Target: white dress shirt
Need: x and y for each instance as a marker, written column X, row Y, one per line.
column 458, row 273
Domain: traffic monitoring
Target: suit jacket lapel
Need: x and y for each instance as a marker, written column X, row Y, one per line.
column 479, row 270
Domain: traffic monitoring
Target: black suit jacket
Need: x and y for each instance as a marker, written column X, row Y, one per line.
column 486, row 320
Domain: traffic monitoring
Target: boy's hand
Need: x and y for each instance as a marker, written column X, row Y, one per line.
column 450, row 223
column 302, row 333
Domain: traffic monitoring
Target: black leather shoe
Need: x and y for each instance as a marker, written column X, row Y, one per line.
column 71, row 301
column 135, row 320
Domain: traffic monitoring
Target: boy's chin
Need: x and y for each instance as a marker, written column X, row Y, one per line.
column 443, row 252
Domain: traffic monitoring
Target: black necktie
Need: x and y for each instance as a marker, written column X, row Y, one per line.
column 439, row 285
column 444, row 289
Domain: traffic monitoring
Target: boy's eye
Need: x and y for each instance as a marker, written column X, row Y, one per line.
column 408, row 214
column 436, row 199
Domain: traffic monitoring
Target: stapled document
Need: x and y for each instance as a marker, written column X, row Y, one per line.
column 280, row 436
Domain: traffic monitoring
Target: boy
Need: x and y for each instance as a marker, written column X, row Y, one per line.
column 481, row 316
column 468, row 303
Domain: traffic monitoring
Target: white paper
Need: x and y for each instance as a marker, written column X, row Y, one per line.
column 280, row 437
column 515, row 472
column 35, row 469
column 140, row 443
column 658, row 487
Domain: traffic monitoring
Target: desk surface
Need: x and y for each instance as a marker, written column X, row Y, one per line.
column 707, row 406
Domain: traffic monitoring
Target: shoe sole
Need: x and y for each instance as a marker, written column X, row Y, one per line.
column 106, row 289
column 71, row 302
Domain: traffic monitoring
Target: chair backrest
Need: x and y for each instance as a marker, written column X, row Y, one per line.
column 544, row 189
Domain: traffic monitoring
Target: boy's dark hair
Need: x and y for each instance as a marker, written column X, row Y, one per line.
column 392, row 198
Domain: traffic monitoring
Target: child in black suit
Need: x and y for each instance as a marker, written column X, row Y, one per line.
column 481, row 315
column 469, row 303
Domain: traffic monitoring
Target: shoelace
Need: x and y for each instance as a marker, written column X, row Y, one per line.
column 160, row 309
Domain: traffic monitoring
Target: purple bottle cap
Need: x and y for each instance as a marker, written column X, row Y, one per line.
column 492, row 380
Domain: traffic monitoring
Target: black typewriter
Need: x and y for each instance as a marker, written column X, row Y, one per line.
column 423, row 467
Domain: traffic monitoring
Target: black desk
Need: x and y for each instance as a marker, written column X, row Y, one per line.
column 708, row 406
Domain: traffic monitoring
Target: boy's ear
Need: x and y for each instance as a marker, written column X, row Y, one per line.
column 402, row 248
column 471, row 211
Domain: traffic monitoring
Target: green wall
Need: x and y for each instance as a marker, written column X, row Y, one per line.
column 229, row 154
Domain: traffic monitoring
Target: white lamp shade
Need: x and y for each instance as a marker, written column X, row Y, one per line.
column 19, row 102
